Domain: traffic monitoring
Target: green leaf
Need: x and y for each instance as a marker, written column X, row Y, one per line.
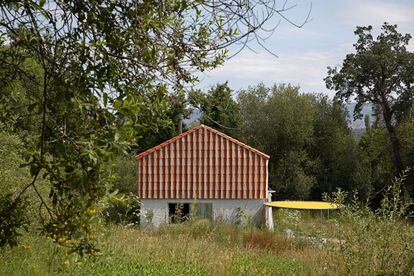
column 105, row 99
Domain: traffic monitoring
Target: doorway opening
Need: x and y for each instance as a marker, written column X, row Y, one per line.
column 178, row 212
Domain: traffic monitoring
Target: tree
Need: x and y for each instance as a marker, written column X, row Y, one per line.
column 18, row 97
column 406, row 134
column 335, row 148
column 219, row 109
column 167, row 126
column 381, row 73
column 279, row 121
column 12, row 179
column 374, row 166
column 105, row 71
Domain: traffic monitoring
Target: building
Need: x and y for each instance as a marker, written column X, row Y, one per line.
column 206, row 173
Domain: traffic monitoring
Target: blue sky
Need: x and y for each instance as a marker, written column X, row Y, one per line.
column 304, row 54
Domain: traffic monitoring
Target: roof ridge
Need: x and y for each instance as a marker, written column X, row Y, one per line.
column 179, row 136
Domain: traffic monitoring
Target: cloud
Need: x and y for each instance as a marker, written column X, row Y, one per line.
column 304, row 68
column 304, row 54
column 376, row 12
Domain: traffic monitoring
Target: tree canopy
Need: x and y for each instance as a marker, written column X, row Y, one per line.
column 311, row 147
column 218, row 108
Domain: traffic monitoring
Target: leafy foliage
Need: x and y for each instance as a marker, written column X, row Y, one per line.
column 374, row 162
column 122, row 209
column 19, row 95
column 124, row 174
column 167, row 126
column 307, row 136
column 406, row 133
column 380, row 238
column 335, row 148
column 270, row 123
column 374, row 168
column 13, row 214
column 11, row 174
column 219, row 109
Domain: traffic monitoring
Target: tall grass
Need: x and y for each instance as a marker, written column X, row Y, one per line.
column 173, row 251
column 204, row 248
column 356, row 240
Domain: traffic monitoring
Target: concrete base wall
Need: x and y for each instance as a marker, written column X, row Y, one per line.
column 155, row 211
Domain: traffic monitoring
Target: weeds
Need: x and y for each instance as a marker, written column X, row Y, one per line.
column 357, row 240
column 377, row 242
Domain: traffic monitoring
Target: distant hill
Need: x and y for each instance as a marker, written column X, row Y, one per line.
column 360, row 123
column 358, row 126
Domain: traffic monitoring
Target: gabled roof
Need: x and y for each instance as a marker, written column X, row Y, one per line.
column 172, row 140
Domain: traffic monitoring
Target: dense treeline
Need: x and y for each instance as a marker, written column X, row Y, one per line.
column 306, row 135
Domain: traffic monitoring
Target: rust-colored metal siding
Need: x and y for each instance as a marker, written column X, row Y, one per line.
column 202, row 163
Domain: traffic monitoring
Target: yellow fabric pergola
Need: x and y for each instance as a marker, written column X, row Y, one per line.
column 307, row 205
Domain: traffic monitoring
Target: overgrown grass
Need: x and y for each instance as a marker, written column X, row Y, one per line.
column 355, row 241
column 203, row 248
column 127, row 251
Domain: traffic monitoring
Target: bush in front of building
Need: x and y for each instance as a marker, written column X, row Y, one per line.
column 121, row 209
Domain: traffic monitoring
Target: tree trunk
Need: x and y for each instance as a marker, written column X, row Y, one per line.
column 396, row 156
column 396, row 148
column 377, row 113
column 395, row 142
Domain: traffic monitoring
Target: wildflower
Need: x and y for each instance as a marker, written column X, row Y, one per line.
column 92, row 211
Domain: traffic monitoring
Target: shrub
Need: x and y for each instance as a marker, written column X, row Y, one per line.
column 121, row 209
column 13, row 219
column 14, row 214
column 125, row 174
column 149, row 216
column 12, row 176
column 287, row 219
column 380, row 241
column 201, row 228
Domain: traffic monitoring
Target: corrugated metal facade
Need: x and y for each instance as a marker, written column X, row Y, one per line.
column 202, row 163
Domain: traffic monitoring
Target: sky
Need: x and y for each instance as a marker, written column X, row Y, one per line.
column 303, row 54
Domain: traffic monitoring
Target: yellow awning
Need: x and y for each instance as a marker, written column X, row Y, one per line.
column 312, row 205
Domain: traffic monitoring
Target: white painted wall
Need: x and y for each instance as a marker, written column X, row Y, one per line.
column 223, row 209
